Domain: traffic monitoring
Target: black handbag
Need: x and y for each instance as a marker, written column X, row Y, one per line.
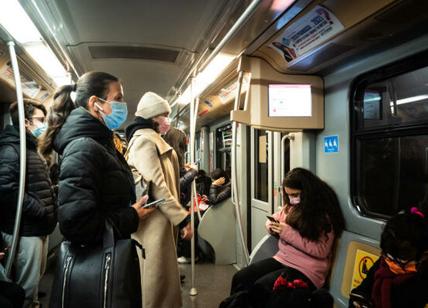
column 100, row 276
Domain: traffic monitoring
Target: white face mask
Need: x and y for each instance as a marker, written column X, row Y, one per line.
column 294, row 200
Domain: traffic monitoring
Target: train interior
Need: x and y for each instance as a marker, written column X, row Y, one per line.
column 357, row 70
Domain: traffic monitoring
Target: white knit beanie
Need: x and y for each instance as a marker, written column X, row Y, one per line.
column 152, row 105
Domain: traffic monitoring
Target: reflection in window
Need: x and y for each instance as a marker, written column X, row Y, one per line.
column 261, row 165
column 392, row 173
column 389, row 135
column 224, row 143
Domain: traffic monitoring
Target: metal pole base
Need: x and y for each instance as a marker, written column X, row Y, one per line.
column 193, row 292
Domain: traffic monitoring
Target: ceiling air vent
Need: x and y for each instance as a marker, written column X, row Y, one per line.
column 131, row 52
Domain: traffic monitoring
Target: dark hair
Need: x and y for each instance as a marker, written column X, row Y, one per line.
column 319, row 210
column 219, row 173
column 178, row 140
column 30, row 106
column 405, row 236
column 91, row 83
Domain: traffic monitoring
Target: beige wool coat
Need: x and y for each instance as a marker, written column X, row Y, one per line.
column 152, row 158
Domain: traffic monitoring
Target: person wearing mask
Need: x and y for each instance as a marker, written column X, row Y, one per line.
column 156, row 162
column 95, row 183
column 38, row 211
column 307, row 226
column 399, row 278
column 220, row 188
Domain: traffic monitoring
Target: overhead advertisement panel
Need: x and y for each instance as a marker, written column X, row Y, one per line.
column 317, row 26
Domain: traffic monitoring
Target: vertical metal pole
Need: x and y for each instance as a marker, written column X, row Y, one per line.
column 193, row 291
column 235, row 192
column 22, row 158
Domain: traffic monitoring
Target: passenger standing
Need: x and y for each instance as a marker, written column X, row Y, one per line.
column 307, row 227
column 177, row 139
column 152, row 158
column 95, row 182
column 38, row 213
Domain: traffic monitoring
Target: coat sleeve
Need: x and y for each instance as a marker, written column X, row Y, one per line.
column 144, row 156
column 9, row 185
column 81, row 219
column 219, row 193
column 317, row 249
column 187, row 178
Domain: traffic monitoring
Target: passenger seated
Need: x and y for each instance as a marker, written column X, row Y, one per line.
column 307, row 226
column 220, row 188
column 203, row 183
column 400, row 277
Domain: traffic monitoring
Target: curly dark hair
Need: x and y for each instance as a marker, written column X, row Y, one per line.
column 319, row 210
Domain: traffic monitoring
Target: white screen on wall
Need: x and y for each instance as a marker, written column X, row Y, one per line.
column 290, row 100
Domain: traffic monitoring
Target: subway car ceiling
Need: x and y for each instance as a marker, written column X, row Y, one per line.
column 155, row 45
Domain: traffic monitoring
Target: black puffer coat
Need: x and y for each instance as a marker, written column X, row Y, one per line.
column 38, row 211
column 220, row 193
column 95, row 181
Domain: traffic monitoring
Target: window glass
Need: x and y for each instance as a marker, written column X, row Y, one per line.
column 261, row 165
column 389, row 157
column 399, row 100
column 392, row 173
column 224, row 143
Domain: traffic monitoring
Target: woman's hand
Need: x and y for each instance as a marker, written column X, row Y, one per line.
column 205, row 198
column 186, row 233
column 277, row 227
column 142, row 213
column 188, row 166
column 219, row 181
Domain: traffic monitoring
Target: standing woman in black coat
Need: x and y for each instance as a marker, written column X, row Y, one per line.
column 95, row 182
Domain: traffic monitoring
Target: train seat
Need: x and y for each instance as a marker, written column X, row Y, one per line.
column 217, row 228
column 264, row 249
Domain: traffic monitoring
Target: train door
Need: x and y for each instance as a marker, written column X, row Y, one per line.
column 281, row 165
column 261, row 181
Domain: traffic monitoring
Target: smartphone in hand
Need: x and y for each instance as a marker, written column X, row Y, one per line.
column 272, row 219
column 156, row 203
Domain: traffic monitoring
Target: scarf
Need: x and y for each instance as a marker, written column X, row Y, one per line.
column 138, row 123
column 384, row 280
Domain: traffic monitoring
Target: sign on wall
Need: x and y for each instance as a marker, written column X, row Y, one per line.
column 331, row 144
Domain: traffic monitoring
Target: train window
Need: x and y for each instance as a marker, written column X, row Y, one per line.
column 223, row 146
column 389, row 156
column 261, row 158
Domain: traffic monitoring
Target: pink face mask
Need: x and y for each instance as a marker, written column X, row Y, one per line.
column 164, row 124
column 294, row 200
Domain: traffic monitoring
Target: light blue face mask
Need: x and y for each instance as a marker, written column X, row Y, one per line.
column 118, row 115
column 40, row 130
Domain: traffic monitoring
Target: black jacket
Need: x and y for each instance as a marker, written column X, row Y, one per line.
column 95, row 181
column 38, row 211
column 412, row 293
column 186, row 178
column 219, row 193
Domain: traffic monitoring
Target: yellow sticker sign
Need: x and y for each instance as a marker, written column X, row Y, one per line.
column 363, row 261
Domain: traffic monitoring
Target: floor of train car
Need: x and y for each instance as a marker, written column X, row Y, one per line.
column 212, row 283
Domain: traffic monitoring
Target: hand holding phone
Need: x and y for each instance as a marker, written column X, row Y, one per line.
column 359, row 301
column 272, row 219
column 155, row 203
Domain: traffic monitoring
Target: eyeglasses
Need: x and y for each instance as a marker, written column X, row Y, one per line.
column 400, row 262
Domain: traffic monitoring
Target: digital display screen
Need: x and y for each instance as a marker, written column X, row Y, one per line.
column 290, row 100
